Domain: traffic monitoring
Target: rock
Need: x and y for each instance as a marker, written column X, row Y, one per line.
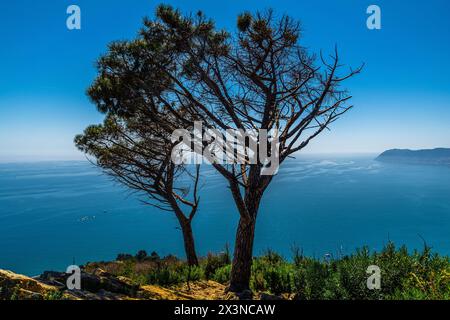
column 102, row 280
column 93, row 282
column 101, row 285
column 272, row 297
column 23, row 294
column 16, row 286
column 53, row 278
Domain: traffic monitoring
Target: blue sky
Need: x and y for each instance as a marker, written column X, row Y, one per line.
column 402, row 98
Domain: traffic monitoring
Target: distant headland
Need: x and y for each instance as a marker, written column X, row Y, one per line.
column 437, row 156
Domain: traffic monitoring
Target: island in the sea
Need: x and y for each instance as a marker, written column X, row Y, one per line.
column 437, row 156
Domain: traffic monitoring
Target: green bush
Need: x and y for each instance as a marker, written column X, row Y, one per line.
column 404, row 275
column 272, row 273
column 141, row 255
column 311, row 279
column 53, row 295
column 172, row 275
column 222, row 275
column 214, row 262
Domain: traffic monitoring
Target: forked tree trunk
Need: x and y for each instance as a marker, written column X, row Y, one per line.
column 189, row 245
column 243, row 255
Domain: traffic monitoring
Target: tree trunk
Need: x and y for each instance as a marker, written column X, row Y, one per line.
column 189, row 246
column 243, row 255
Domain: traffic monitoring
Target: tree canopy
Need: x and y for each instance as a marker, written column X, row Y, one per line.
column 181, row 69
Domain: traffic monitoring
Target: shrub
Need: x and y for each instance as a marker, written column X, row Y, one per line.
column 214, row 262
column 153, row 257
column 53, row 295
column 124, row 256
column 272, row 273
column 310, row 279
column 404, row 275
column 141, row 255
column 222, row 274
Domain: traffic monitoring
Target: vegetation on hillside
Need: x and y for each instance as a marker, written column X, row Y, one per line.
column 404, row 275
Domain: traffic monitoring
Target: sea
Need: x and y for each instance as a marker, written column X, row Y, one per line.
column 55, row 214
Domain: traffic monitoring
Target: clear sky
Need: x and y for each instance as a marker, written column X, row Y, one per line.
column 402, row 98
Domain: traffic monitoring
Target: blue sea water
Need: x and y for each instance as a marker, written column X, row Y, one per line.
column 55, row 213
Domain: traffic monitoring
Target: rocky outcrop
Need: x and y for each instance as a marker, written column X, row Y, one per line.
column 98, row 285
column 101, row 285
column 97, row 281
column 16, row 286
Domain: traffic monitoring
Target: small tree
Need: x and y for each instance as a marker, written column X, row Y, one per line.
column 141, row 255
column 259, row 77
column 134, row 151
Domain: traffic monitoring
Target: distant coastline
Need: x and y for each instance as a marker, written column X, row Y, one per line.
column 437, row 156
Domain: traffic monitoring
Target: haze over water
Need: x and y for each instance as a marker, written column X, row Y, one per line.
column 55, row 213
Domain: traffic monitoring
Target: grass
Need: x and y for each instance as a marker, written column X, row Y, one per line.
column 404, row 275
